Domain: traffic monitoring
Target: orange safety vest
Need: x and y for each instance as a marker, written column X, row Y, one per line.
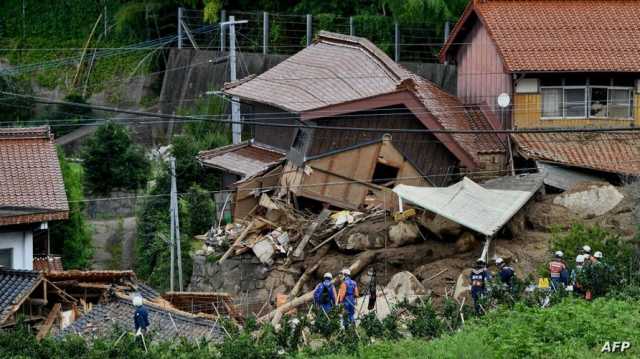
column 556, row 267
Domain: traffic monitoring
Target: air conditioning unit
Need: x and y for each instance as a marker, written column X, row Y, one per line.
column 527, row 86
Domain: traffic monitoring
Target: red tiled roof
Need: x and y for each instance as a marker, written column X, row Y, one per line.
column 244, row 159
column 31, row 184
column 340, row 68
column 559, row 35
column 616, row 152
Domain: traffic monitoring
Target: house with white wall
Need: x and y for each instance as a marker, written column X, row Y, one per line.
column 31, row 194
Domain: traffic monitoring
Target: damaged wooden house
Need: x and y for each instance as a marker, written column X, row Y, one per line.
column 569, row 75
column 347, row 108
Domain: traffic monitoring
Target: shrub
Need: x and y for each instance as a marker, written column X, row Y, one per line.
column 113, row 161
column 425, row 322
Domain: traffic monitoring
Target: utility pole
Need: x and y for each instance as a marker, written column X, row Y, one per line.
column 172, row 242
column 265, row 32
column 175, row 229
column 309, row 29
column 236, row 126
column 179, row 27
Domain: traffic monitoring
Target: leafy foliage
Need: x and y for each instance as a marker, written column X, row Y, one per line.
column 113, row 161
column 72, row 238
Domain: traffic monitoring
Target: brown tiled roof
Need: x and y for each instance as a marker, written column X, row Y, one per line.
column 334, row 69
column 616, row 152
column 452, row 115
column 47, row 264
column 340, row 68
column 31, row 185
column 559, row 35
column 244, row 159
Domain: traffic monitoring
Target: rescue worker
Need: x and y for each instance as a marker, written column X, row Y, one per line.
column 574, row 273
column 586, row 253
column 506, row 272
column 478, row 278
column 347, row 296
column 140, row 317
column 558, row 271
column 597, row 257
column 325, row 295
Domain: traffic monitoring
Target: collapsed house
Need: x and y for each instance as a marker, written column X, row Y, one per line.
column 347, row 82
column 93, row 304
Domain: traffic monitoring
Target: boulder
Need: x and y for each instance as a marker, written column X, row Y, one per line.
column 442, row 227
column 462, row 284
column 403, row 233
column 590, row 200
column 405, row 285
column 363, row 236
column 543, row 216
column 466, row 242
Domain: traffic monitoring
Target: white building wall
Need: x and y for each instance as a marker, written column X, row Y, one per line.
column 22, row 244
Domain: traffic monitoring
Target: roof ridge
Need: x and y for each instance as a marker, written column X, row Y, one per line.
column 25, row 132
column 393, row 67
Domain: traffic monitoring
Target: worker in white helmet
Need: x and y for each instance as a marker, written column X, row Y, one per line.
column 586, row 253
column 478, row 278
column 574, row 273
column 140, row 316
column 558, row 271
column 506, row 272
column 325, row 295
column 347, row 296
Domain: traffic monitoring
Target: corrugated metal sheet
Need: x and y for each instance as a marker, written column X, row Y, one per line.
column 483, row 210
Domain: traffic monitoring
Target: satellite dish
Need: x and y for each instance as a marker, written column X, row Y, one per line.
column 504, row 100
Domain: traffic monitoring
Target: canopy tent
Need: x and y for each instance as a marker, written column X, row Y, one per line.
column 471, row 205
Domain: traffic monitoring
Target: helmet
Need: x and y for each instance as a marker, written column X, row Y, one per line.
column 499, row 261
column 137, row 300
column 559, row 254
column 598, row 254
column 580, row 258
column 328, row 276
column 586, row 249
column 479, row 261
column 346, row 271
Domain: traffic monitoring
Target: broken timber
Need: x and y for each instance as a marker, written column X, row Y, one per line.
column 237, row 241
column 298, row 253
column 48, row 323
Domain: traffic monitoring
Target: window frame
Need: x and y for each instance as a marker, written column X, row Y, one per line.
column 587, row 104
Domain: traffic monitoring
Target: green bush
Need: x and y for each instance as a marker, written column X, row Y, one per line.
column 425, row 322
column 112, row 161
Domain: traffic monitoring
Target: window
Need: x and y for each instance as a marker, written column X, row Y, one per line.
column 552, row 102
column 575, row 102
column 619, row 103
column 595, row 100
column 6, row 257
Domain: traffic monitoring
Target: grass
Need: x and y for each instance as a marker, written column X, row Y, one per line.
column 572, row 329
column 53, row 30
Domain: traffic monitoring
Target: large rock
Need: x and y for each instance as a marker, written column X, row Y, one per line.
column 466, row 242
column 590, row 200
column 543, row 216
column 403, row 285
column 403, row 233
column 364, row 236
column 442, row 227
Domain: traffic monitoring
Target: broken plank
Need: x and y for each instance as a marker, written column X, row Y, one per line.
column 437, row 274
column 303, row 279
column 48, row 323
column 312, row 228
column 237, row 241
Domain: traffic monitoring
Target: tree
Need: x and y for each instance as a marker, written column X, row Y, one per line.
column 201, row 209
column 72, row 238
column 113, row 161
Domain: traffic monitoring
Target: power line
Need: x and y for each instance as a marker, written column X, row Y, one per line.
column 311, row 126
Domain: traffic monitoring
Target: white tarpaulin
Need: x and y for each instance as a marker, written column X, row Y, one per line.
column 468, row 203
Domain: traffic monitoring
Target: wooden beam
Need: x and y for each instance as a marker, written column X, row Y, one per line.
column 299, row 252
column 48, row 323
column 238, row 241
